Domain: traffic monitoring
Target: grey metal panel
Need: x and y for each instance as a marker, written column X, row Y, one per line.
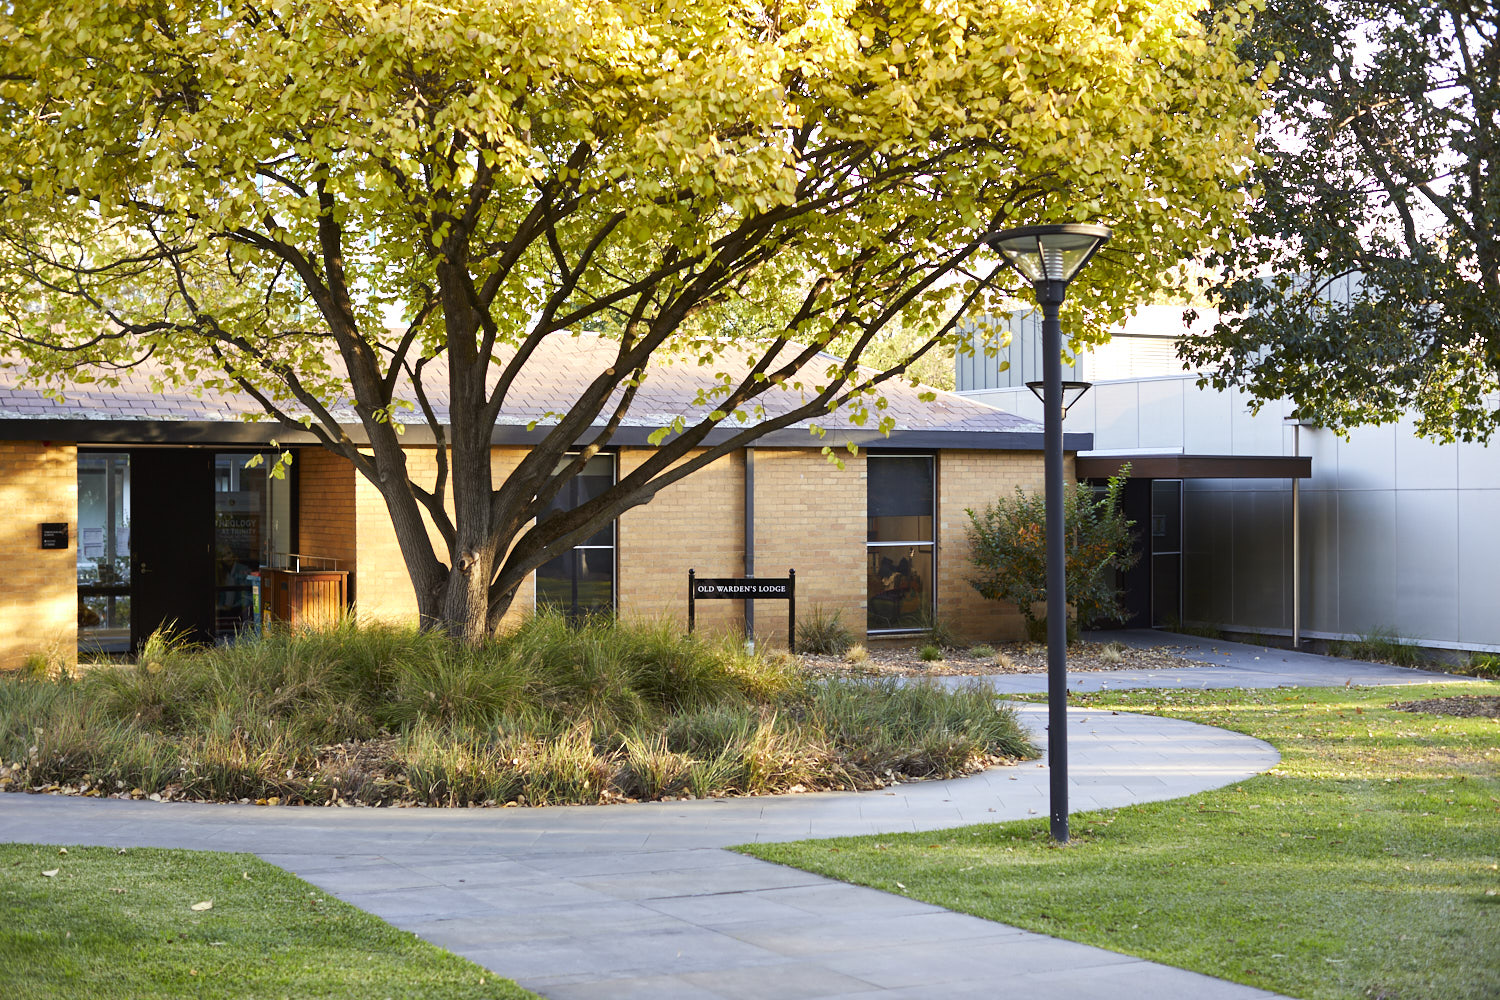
column 1422, row 464
column 1160, row 413
column 1320, row 560
column 1028, row 406
column 1209, row 574
column 963, row 373
column 1117, row 420
column 1426, row 552
column 1001, row 399
column 1262, row 583
column 1023, row 353
column 1479, row 567
column 1258, row 434
column 1323, row 447
column 1367, row 461
column 1367, row 559
column 1206, row 420
column 1478, row 466
column 1082, row 415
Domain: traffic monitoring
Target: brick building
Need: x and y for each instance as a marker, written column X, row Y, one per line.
column 169, row 512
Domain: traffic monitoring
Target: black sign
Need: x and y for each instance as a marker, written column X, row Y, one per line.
column 54, row 534
column 740, row 589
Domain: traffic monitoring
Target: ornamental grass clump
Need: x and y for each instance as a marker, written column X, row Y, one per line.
column 823, row 632
column 551, row 713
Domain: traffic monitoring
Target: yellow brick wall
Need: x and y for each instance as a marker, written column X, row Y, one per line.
column 38, row 588
column 809, row 515
column 325, row 512
column 385, row 589
column 975, row 479
column 698, row 523
column 812, row 517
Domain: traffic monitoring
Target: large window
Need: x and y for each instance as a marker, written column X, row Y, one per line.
column 252, row 528
column 899, row 547
column 581, row 581
column 103, row 552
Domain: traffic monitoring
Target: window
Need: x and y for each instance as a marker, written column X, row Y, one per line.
column 252, row 527
column 582, row 580
column 899, row 547
column 103, row 552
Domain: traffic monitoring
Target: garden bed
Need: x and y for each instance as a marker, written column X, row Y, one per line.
column 550, row 714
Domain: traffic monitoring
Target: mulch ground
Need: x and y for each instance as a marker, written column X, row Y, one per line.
column 1468, row 706
column 1009, row 658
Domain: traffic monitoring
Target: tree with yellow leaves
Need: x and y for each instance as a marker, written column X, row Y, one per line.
column 248, row 193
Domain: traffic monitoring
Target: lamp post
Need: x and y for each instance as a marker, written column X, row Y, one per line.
column 1049, row 256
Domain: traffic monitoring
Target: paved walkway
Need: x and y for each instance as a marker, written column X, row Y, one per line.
column 640, row 901
column 1233, row 664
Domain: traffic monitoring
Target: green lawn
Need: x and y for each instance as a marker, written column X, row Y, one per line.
column 121, row 925
column 1366, row 865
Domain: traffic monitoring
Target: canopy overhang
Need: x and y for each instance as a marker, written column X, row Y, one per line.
column 1157, row 466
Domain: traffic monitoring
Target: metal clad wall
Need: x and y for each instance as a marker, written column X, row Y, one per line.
column 978, row 373
column 1478, row 562
column 1397, row 532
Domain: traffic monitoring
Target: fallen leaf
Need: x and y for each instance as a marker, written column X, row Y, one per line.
column 51, row 873
column 207, row 904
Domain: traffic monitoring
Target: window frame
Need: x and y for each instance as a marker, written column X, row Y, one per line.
column 931, row 606
column 614, row 534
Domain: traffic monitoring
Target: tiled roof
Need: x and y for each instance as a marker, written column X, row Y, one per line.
column 548, row 384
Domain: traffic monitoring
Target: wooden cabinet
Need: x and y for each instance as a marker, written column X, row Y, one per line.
column 312, row 598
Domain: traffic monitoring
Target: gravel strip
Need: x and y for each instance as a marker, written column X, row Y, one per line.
column 1009, row 658
column 1468, row 706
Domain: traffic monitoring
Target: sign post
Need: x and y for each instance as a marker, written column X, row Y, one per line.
column 746, row 588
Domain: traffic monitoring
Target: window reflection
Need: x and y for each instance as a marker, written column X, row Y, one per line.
column 103, row 552
column 582, row 581
column 900, row 552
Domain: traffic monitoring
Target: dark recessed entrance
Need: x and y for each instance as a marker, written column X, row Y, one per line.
column 171, row 537
column 1153, row 499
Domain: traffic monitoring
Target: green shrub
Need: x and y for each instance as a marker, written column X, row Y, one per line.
column 930, row 653
column 823, row 632
column 1008, row 542
column 983, row 651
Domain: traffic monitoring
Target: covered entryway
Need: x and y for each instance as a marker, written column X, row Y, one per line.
column 1153, row 499
column 172, row 537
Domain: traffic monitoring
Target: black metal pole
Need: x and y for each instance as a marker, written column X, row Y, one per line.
column 692, row 598
column 791, row 611
column 1050, row 295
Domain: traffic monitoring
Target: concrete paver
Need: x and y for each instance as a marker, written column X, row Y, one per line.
column 579, row 903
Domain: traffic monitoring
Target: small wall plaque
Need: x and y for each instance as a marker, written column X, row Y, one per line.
column 54, row 534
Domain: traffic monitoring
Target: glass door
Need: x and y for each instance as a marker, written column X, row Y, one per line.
column 1166, row 553
column 252, row 526
column 103, row 552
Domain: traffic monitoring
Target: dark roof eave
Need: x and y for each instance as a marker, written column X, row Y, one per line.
column 206, row 433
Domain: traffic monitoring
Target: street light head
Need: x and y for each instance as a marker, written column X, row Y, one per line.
column 1052, row 252
column 1072, row 392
